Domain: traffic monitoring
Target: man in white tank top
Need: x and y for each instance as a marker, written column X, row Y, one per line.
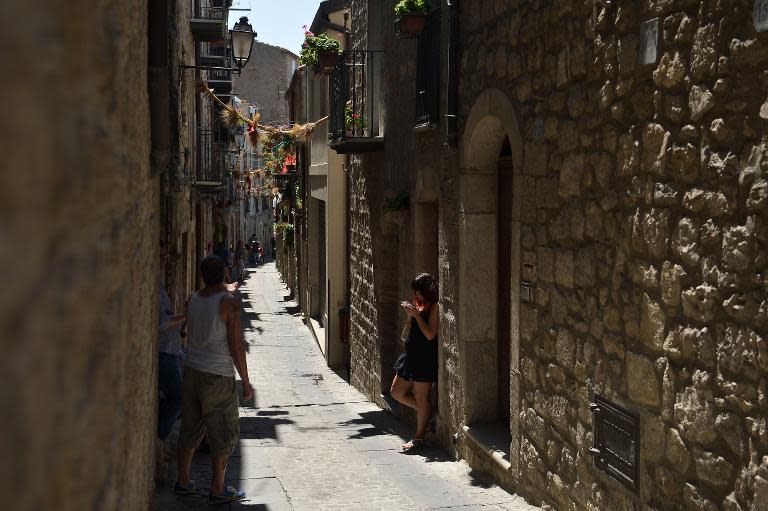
column 209, row 400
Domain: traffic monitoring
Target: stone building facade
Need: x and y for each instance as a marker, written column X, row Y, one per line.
column 598, row 169
column 80, row 224
column 264, row 85
column 118, row 169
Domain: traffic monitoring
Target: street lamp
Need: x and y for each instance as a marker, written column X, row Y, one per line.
column 240, row 137
column 242, row 36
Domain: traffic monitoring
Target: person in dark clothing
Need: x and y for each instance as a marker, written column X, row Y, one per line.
column 416, row 369
column 273, row 246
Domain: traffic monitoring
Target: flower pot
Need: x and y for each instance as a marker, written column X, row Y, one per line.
column 411, row 25
column 326, row 63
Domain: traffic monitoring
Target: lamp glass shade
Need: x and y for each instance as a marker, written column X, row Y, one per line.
column 242, row 35
column 240, row 139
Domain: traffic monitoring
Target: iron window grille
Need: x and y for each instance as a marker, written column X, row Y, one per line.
column 428, row 71
column 353, row 89
column 616, row 448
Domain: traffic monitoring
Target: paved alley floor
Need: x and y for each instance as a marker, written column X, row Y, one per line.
column 312, row 442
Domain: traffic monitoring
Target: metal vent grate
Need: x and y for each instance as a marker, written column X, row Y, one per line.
column 616, row 441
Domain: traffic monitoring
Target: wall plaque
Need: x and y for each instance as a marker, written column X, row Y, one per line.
column 649, row 42
column 760, row 15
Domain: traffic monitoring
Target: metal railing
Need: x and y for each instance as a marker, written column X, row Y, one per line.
column 220, row 75
column 354, row 94
column 206, row 11
column 428, row 71
column 215, row 50
column 212, row 162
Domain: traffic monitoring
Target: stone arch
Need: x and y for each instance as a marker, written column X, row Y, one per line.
column 491, row 121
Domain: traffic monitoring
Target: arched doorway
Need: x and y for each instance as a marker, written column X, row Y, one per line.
column 489, row 264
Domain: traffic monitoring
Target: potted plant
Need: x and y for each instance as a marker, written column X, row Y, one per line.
column 411, row 17
column 319, row 51
column 354, row 123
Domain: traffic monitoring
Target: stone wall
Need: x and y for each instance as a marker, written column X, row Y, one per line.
column 179, row 219
column 640, row 183
column 644, row 232
column 78, row 238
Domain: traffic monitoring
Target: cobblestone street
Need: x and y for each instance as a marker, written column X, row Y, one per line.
column 312, row 442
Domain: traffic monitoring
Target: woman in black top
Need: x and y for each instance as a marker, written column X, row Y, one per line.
column 417, row 368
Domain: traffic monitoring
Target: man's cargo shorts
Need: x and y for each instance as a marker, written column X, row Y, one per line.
column 209, row 403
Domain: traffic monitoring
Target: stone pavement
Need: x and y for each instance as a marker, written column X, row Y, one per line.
column 312, row 442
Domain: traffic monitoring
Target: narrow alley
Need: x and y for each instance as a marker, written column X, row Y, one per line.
column 312, row 442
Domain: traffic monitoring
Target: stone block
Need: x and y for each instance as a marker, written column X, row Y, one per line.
column 700, row 303
column 535, row 159
column 652, row 323
column 695, row 416
column 671, row 278
column 565, row 347
column 676, row 451
column 655, row 145
column 652, row 443
column 479, row 361
column 478, row 192
column 670, row 71
column 700, row 102
column 703, row 52
column 564, row 268
column 712, row 469
column 477, row 277
column 642, row 381
column 571, row 174
column 546, row 263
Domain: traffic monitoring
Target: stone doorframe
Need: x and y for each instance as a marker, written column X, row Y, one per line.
column 491, row 119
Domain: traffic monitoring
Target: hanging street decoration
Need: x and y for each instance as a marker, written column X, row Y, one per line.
column 276, row 144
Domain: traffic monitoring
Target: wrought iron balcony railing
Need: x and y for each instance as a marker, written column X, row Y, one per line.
column 212, row 158
column 355, row 93
column 209, row 21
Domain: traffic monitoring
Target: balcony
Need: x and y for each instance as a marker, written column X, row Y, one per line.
column 212, row 159
column 220, row 80
column 214, row 54
column 209, row 22
column 355, row 93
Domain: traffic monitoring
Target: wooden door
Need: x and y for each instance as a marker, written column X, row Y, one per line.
column 504, row 262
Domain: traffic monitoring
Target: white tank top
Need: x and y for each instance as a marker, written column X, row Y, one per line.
column 208, row 346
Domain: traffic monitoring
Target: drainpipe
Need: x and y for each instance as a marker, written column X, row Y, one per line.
column 452, row 82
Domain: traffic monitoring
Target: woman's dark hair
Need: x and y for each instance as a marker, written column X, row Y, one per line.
column 213, row 270
column 426, row 284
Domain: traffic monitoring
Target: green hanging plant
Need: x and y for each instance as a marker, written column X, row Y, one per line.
column 400, row 202
column 405, row 7
column 288, row 235
column 314, row 45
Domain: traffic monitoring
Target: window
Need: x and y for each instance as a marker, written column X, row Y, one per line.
column 428, row 70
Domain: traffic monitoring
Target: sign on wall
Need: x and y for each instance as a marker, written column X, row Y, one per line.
column 649, row 42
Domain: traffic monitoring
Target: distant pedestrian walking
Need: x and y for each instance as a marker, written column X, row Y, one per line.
column 417, row 368
column 209, row 395
column 273, row 246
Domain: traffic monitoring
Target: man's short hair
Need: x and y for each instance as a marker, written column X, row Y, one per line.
column 213, row 270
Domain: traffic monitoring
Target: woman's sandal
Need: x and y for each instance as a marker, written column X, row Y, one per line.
column 412, row 444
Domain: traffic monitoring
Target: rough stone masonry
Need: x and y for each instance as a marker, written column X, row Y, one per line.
column 643, row 229
column 78, row 238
